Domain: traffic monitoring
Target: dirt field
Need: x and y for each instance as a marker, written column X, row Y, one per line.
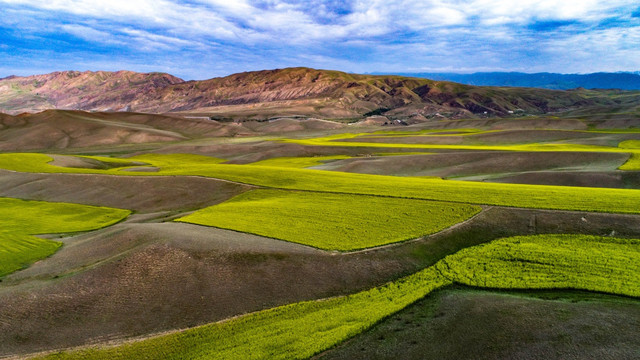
column 141, row 194
column 460, row 324
column 485, row 164
column 612, row 179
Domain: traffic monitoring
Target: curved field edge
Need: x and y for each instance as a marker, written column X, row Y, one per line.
column 301, row 330
column 335, row 140
column 21, row 219
column 480, row 193
column 342, row 222
column 630, row 147
column 634, row 161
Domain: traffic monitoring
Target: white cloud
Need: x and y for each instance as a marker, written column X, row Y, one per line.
column 90, row 34
column 392, row 33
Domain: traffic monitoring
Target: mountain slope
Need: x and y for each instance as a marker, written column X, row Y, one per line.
column 272, row 93
column 74, row 90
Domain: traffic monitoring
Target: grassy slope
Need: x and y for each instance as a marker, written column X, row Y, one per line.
column 325, row 221
column 20, row 219
column 300, row 330
column 299, row 162
column 17, row 251
column 548, row 262
column 516, row 195
column 634, row 162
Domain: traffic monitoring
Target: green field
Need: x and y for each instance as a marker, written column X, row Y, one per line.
column 550, row 262
column 633, row 163
column 515, row 195
column 331, row 221
column 21, row 219
column 301, row 330
column 299, row 162
column 629, row 146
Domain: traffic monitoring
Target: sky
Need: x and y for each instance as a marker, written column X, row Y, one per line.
column 201, row 39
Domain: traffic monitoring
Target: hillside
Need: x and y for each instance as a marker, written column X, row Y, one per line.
column 282, row 92
column 61, row 129
column 74, row 90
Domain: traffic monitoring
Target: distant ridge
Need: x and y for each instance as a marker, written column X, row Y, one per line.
column 267, row 94
column 601, row 80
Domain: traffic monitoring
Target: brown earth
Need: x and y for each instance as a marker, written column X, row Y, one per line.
column 617, row 179
column 57, row 129
column 289, row 125
column 137, row 278
column 472, row 163
column 138, row 193
column 469, row 324
column 248, row 152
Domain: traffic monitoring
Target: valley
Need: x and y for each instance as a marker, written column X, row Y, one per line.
column 300, row 213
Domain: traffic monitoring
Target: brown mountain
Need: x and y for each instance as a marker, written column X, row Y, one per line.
column 281, row 92
column 74, row 90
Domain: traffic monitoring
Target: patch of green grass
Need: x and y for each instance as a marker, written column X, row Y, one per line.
column 630, row 144
column 301, row 330
column 331, row 221
column 633, row 163
column 583, row 262
column 515, row 195
column 21, row 219
column 17, row 251
column 299, row 162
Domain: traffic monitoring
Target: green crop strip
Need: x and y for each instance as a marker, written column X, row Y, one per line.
column 299, row 162
column 335, row 140
column 629, row 146
column 549, row 262
column 331, row 221
column 300, row 330
column 21, row 219
column 634, row 161
column 515, row 195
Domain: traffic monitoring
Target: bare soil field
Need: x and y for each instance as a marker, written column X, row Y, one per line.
column 471, row 163
column 614, row 179
column 460, row 324
column 141, row 194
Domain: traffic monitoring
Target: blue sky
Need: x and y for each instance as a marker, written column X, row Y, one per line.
column 200, row 39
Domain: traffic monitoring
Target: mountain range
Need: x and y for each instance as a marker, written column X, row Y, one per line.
column 262, row 95
column 602, row 80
